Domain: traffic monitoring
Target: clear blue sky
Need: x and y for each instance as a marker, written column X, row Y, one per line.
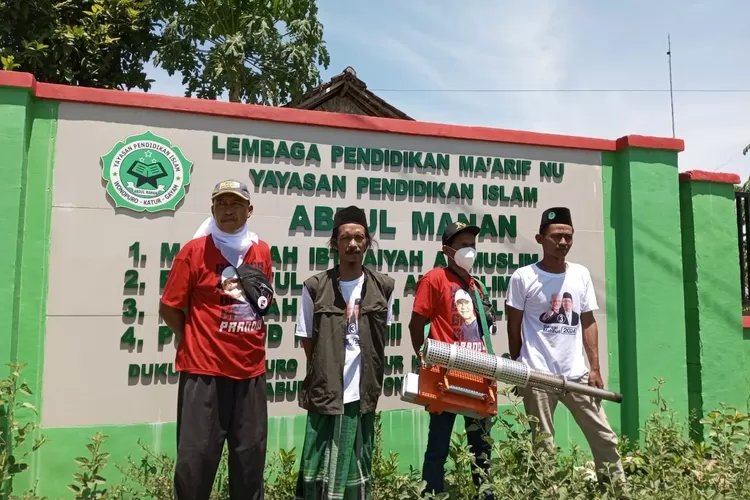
column 592, row 44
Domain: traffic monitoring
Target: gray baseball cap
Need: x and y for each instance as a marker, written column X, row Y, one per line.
column 233, row 187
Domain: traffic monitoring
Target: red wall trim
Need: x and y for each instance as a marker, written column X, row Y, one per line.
column 16, row 79
column 647, row 142
column 702, row 175
column 326, row 119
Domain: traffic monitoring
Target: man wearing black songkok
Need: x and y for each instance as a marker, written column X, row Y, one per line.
column 342, row 324
column 553, row 339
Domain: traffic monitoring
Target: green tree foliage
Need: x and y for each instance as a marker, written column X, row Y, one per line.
column 96, row 43
column 259, row 51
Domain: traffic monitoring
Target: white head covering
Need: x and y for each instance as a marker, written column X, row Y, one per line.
column 233, row 246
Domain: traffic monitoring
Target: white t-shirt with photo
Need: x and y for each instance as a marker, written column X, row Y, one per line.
column 552, row 305
column 352, row 293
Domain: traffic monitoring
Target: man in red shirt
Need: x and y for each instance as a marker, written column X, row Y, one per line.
column 221, row 352
column 441, row 299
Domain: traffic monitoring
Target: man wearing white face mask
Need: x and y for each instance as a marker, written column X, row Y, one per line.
column 441, row 297
column 221, row 353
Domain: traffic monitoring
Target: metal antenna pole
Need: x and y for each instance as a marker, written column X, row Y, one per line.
column 671, row 96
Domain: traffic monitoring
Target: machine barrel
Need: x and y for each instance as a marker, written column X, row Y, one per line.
column 511, row 372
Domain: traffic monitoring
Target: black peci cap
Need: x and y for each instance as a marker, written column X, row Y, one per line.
column 555, row 215
column 350, row 215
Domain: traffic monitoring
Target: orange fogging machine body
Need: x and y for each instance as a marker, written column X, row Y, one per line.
column 464, row 381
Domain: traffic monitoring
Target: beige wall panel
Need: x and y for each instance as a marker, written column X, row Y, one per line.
column 85, row 384
column 90, row 240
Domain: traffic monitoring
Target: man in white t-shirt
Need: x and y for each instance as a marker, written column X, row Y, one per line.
column 550, row 314
column 342, row 325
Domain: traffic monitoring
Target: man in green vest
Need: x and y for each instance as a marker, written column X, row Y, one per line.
column 342, row 324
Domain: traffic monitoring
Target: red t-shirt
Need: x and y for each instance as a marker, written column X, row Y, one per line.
column 442, row 298
column 224, row 335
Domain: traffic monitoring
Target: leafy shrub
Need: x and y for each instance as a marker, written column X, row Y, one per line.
column 387, row 480
column 665, row 464
column 17, row 426
column 281, row 476
column 152, row 476
column 669, row 465
column 149, row 477
column 88, row 483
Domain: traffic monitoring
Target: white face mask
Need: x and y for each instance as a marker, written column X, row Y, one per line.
column 464, row 258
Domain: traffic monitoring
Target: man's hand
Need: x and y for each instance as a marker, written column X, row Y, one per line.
column 591, row 346
column 307, row 347
column 416, row 329
column 595, row 379
column 514, row 319
column 174, row 318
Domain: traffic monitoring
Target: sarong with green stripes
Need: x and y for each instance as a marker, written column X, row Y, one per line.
column 337, row 456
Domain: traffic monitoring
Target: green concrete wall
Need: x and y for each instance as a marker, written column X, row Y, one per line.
column 644, row 268
column 15, row 106
column 614, row 383
column 716, row 374
column 27, row 140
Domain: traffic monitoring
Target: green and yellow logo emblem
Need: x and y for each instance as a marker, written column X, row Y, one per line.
column 146, row 173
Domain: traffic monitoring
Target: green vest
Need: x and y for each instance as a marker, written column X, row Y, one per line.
column 323, row 387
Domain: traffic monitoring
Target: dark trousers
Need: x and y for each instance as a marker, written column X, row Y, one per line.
column 211, row 410
column 438, row 445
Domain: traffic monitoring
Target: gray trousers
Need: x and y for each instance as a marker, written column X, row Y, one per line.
column 210, row 411
column 590, row 417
